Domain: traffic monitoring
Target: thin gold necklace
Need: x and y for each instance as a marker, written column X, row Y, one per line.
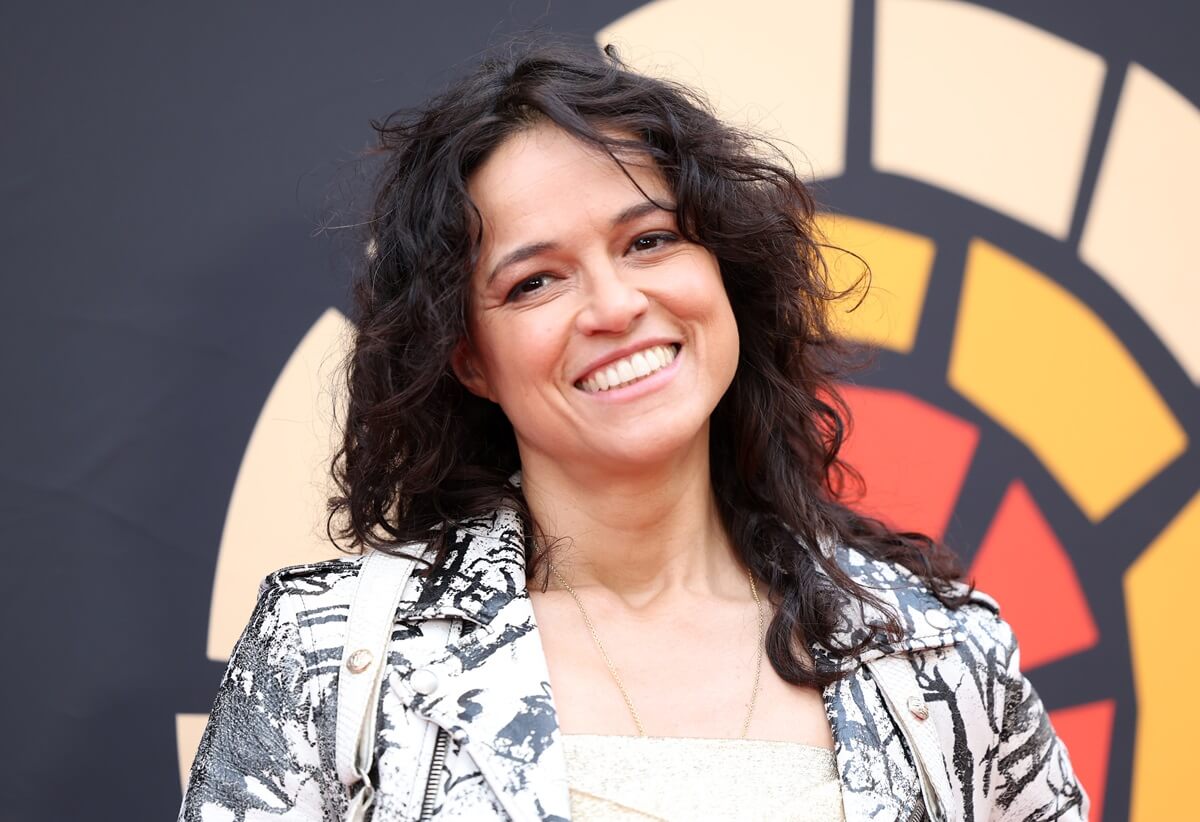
column 612, row 669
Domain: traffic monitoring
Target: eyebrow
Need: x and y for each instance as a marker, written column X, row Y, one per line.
column 525, row 252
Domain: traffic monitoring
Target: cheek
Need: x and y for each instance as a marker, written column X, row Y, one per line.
column 723, row 335
column 522, row 352
column 707, row 300
column 730, row 341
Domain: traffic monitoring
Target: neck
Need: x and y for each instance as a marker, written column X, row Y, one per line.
column 641, row 534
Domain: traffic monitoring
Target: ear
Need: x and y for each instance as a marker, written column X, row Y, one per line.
column 466, row 367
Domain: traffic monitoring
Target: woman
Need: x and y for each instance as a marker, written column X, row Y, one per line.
column 592, row 388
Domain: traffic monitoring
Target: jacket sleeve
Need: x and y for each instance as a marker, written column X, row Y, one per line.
column 259, row 755
column 1034, row 777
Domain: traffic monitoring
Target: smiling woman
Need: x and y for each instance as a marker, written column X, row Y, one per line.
column 600, row 287
column 592, row 394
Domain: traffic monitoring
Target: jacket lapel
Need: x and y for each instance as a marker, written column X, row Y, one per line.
column 492, row 683
column 876, row 760
column 879, row 782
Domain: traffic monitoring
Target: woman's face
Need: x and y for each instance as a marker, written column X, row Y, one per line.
column 606, row 338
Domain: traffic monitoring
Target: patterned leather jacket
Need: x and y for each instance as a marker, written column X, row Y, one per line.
column 940, row 725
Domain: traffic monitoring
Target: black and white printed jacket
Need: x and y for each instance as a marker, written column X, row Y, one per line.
column 480, row 740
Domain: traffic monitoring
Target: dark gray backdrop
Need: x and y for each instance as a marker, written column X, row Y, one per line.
column 164, row 168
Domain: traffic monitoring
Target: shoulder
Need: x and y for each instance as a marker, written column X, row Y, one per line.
column 318, row 596
column 925, row 619
column 327, row 584
column 329, row 580
column 273, row 692
column 289, row 597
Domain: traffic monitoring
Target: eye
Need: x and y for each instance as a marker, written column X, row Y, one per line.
column 651, row 242
column 528, row 286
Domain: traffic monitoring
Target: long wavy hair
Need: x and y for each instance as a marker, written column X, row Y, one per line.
column 421, row 453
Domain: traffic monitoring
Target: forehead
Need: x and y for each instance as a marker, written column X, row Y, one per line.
column 542, row 180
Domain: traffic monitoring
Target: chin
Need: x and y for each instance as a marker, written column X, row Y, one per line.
column 647, row 450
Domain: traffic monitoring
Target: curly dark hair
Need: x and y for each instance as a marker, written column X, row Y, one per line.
column 421, row 453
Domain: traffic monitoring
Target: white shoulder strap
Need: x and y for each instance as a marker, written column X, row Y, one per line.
column 381, row 581
column 905, row 700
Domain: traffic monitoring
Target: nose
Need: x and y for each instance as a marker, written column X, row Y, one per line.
column 613, row 303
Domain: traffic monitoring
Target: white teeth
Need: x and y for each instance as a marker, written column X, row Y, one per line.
column 633, row 367
column 640, row 367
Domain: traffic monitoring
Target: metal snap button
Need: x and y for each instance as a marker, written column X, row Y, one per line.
column 918, row 708
column 423, row 681
column 359, row 661
column 459, row 736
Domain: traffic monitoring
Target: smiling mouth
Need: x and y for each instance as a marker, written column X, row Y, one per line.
column 628, row 370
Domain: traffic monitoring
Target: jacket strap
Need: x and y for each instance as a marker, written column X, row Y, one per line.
column 381, row 581
column 897, row 681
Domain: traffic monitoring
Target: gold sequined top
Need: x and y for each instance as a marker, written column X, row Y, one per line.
column 627, row 778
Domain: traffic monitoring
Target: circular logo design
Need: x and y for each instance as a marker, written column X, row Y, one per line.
column 1025, row 223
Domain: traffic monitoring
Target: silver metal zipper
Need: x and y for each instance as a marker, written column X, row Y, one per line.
column 917, row 814
column 437, row 766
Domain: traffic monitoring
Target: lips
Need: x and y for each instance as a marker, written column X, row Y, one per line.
column 629, row 369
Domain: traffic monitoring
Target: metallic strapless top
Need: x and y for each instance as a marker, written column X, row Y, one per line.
column 626, row 778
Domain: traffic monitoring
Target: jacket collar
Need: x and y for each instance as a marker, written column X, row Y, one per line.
column 926, row 623
column 485, row 571
column 493, row 684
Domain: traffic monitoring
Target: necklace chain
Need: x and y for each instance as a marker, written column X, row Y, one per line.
column 612, row 668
